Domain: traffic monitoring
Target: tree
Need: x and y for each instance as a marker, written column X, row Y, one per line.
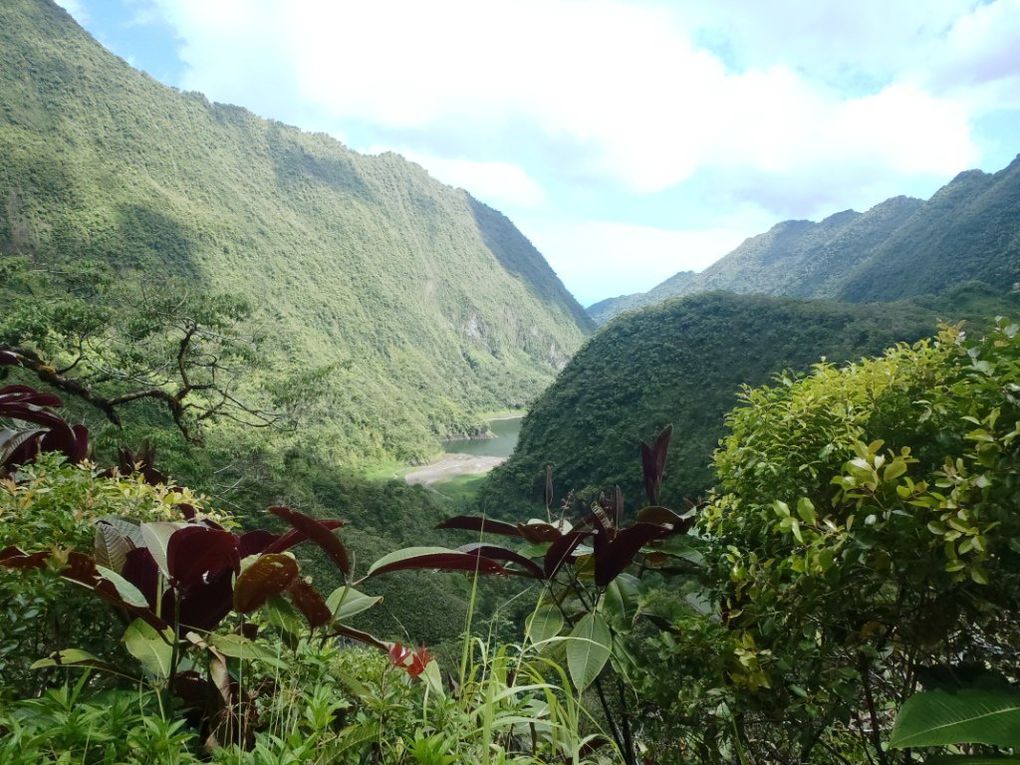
column 111, row 343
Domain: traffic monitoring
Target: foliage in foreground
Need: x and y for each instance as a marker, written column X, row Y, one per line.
column 211, row 644
column 848, row 593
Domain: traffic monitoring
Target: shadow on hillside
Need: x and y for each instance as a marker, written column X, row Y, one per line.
column 153, row 241
column 520, row 257
column 295, row 165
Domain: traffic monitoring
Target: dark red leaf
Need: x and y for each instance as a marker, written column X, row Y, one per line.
column 14, row 395
column 559, row 552
column 295, row 537
column 653, row 463
column 12, row 557
column 419, row 660
column 318, row 533
column 360, row 636
column 537, row 533
column 268, row 575
column 612, row 557
column 495, row 552
column 255, row 542
column 206, row 604
column 660, row 515
column 310, row 603
column 197, row 554
column 20, row 402
column 398, row 654
column 141, row 570
column 81, row 569
column 445, row 561
column 479, row 523
column 142, row 462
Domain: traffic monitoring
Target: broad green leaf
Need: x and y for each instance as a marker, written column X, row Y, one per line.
column 155, row 652
column 806, row 510
column 588, row 650
column 284, row 616
column 157, row 536
column 622, row 596
column 74, row 657
column 973, row 759
column 545, row 623
column 433, row 678
column 346, row 602
column 966, row 716
column 131, row 531
column 894, row 469
column 127, row 591
column 239, row 647
column 111, row 546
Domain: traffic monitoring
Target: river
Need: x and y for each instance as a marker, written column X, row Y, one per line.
column 470, row 456
column 505, row 430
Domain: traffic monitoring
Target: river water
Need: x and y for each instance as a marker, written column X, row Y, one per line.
column 506, row 431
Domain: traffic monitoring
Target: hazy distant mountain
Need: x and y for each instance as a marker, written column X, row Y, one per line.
column 968, row 231
column 604, row 310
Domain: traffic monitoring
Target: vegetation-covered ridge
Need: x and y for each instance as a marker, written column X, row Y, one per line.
column 969, row 230
column 683, row 363
column 415, row 304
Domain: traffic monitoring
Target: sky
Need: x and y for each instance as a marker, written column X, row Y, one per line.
column 628, row 139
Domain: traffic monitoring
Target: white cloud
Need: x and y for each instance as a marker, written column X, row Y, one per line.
column 494, row 182
column 622, row 84
column 598, row 259
column 979, row 61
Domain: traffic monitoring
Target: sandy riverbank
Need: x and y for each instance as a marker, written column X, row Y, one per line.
column 450, row 466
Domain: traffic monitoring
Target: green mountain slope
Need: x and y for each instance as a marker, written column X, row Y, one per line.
column 969, row 230
column 683, row 363
column 429, row 305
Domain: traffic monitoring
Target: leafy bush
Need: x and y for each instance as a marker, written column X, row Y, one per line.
column 229, row 652
column 56, row 504
column 864, row 525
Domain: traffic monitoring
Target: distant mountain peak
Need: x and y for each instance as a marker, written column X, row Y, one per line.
column 901, row 247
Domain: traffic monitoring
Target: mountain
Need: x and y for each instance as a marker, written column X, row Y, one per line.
column 683, row 363
column 968, row 231
column 427, row 306
column 604, row 310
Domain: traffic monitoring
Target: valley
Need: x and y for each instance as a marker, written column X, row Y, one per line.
column 469, row 457
column 307, row 456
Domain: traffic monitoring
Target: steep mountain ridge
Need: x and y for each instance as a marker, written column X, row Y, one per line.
column 903, row 247
column 428, row 305
column 968, row 230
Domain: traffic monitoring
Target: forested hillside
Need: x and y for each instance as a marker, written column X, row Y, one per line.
column 411, row 305
column 683, row 363
column 969, row 230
